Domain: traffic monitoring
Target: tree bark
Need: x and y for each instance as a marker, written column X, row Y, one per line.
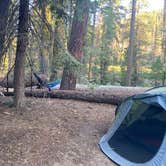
column 131, row 45
column 59, row 41
column 164, row 42
column 42, row 48
column 56, row 58
column 75, row 95
column 4, row 9
column 104, row 62
column 22, row 41
column 75, row 46
column 154, row 46
column 93, row 40
column 110, row 96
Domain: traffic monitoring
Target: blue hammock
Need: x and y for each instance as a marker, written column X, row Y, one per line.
column 53, row 84
column 49, row 85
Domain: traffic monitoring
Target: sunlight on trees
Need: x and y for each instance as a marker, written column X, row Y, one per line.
column 101, row 51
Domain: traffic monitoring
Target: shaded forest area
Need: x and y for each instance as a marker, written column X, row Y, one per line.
column 99, row 42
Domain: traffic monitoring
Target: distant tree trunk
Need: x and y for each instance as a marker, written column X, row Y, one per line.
column 42, row 47
column 154, row 46
column 43, row 63
column 22, row 41
column 136, row 47
column 155, row 29
column 164, row 42
column 4, row 9
column 57, row 48
column 70, row 10
column 93, row 41
column 135, row 66
column 10, row 57
column 75, row 45
column 58, row 36
column 131, row 45
column 104, row 62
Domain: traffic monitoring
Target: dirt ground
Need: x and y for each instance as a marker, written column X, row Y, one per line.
column 53, row 132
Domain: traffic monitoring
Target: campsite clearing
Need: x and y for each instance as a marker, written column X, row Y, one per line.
column 54, row 132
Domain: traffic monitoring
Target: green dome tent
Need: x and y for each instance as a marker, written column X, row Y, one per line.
column 138, row 134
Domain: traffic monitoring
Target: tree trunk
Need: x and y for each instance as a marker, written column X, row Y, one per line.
column 22, row 41
column 4, row 9
column 136, row 47
column 42, row 48
column 135, row 66
column 59, row 40
column 43, row 62
column 75, row 45
column 155, row 29
column 104, row 62
column 164, row 42
column 70, row 11
column 58, row 45
column 131, row 45
column 93, row 42
column 154, row 46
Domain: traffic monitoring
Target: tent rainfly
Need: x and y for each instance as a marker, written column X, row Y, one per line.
column 138, row 134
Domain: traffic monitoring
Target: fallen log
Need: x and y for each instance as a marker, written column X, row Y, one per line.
column 88, row 95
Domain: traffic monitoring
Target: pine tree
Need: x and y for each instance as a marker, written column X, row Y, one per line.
column 75, row 46
column 131, row 45
column 22, row 41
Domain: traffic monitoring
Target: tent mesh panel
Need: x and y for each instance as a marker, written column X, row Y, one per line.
column 141, row 133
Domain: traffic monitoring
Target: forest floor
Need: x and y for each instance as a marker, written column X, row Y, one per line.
column 53, row 132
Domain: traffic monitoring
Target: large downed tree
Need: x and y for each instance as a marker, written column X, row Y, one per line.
column 110, row 96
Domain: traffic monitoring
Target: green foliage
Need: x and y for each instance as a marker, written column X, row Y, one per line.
column 157, row 69
column 73, row 63
column 109, row 21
